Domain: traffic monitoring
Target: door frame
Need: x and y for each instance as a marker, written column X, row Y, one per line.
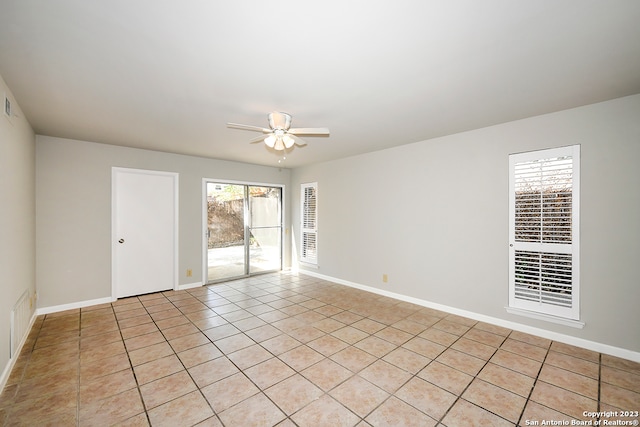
column 114, row 232
column 205, row 237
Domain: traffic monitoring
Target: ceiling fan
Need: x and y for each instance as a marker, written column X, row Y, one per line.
column 281, row 135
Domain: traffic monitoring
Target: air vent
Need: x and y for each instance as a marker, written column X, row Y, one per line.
column 7, row 106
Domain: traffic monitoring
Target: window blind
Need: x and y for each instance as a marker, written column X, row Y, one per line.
column 309, row 223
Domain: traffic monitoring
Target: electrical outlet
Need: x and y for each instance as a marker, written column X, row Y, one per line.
column 385, row 278
column 189, row 272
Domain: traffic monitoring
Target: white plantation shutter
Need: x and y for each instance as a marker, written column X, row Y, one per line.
column 309, row 223
column 544, row 190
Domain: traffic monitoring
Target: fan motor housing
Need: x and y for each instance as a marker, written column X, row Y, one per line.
column 279, row 120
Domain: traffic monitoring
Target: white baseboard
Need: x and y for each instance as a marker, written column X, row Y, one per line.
column 73, row 305
column 189, row 286
column 555, row 336
column 81, row 304
column 12, row 361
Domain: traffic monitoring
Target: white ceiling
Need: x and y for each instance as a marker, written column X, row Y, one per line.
column 168, row 75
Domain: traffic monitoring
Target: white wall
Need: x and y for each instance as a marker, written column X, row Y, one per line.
column 73, row 194
column 433, row 216
column 17, row 214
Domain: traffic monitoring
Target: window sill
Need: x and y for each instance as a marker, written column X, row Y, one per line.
column 546, row 317
column 308, row 264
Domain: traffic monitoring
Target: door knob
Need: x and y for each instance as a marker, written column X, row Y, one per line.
column 121, row 241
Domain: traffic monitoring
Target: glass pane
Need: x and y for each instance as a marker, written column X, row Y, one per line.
column 225, row 227
column 543, row 200
column 264, row 252
column 309, row 208
column 264, row 205
column 265, row 229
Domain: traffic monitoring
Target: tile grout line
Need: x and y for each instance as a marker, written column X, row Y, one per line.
column 459, row 396
column 138, row 385
column 79, row 362
column 287, row 416
column 306, row 291
column 535, row 381
column 133, row 371
column 324, row 393
column 232, row 362
column 305, row 344
column 599, row 381
column 362, row 419
column 215, row 414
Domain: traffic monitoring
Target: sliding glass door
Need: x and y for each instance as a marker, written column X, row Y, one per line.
column 244, row 230
column 265, row 229
column 226, row 253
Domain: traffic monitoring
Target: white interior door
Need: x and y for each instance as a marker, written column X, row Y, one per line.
column 144, row 231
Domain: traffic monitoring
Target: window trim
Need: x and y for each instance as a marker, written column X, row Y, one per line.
column 540, row 310
column 546, row 317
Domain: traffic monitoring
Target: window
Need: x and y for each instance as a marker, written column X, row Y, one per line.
column 544, row 194
column 309, row 223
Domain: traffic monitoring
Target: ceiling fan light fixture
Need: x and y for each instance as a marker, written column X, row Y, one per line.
column 279, row 144
column 280, row 136
column 288, row 141
column 270, row 140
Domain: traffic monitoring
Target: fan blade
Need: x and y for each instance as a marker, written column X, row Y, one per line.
column 299, row 142
column 310, row 131
column 257, row 139
column 248, row 127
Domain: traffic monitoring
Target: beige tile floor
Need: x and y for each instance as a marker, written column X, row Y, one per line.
column 286, row 350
